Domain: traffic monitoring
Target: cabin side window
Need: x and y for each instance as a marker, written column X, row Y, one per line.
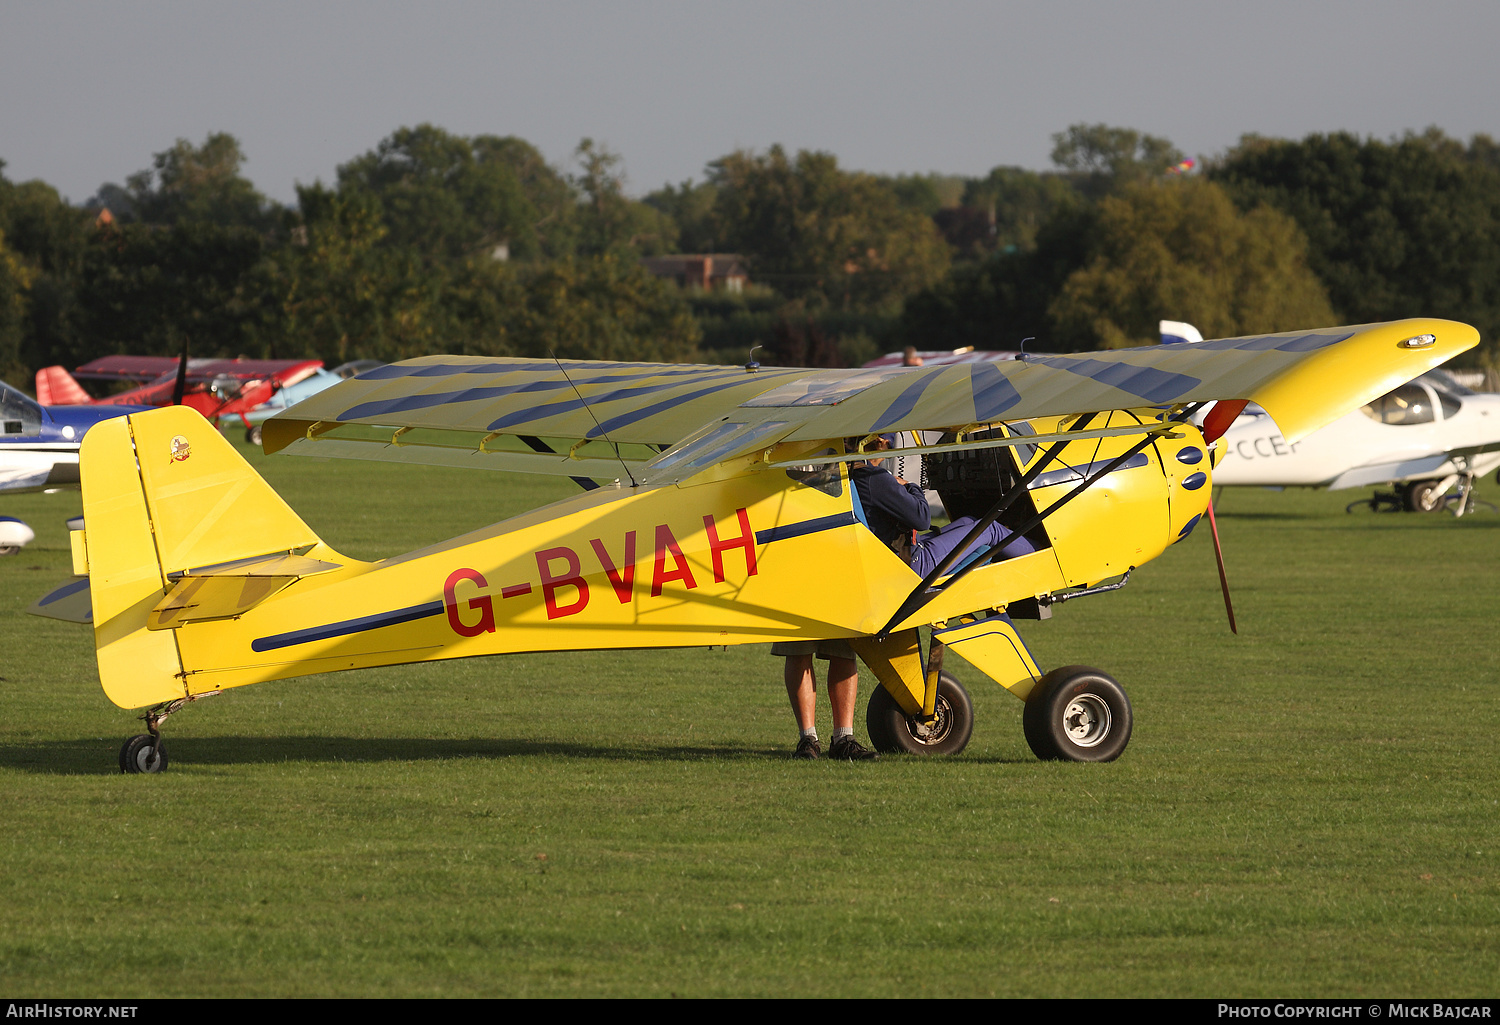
column 1408, row 404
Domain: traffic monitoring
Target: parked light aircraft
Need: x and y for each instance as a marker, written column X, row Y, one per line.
column 725, row 517
column 1425, row 437
column 217, row 388
column 39, row 450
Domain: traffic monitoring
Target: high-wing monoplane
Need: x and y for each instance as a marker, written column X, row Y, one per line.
column 1426, row 437
column 717, row 510
column 217, row 388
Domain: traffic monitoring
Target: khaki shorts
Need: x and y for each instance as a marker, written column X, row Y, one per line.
column 822, row 649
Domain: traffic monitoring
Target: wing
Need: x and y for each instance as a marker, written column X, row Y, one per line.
column 539, row 416
column 551, row 417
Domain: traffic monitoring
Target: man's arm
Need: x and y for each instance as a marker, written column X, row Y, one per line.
column 903, row 503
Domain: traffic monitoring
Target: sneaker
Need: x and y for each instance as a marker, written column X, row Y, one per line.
column 847, row 749
column 808, row 747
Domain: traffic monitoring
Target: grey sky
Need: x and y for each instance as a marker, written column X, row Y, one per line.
column 90, row 89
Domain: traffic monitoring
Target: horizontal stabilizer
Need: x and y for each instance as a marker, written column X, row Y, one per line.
column 230, row 589
column 71, row 603
column 196, row 599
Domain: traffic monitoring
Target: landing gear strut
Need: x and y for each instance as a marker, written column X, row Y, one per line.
column 146, row 752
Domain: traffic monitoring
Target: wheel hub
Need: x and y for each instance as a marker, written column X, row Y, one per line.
column 936, row 731
column 1086, row 720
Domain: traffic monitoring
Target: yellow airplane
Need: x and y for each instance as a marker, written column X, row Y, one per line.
column 717, row 509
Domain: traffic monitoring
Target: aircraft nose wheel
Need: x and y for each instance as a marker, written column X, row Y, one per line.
column 892, row 731
column 143, row 753
column 1077, row 714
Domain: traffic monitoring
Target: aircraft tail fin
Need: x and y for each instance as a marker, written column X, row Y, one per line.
column 1178, row 332
column 167, row 500
column 56, row 387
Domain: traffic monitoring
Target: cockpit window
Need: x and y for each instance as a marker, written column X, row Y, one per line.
column 19, row 415
column 1408, row 404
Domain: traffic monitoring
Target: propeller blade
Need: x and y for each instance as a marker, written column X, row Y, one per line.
column 181, row 385
column 1223, row 580
column 1221, row 417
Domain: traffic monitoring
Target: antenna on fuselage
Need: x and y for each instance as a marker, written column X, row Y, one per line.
column 624, row 465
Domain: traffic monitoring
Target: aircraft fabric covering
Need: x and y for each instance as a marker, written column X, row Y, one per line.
column 542, row 415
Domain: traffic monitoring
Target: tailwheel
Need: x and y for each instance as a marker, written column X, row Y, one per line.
column 143, row 753
column 892, row 730
column 1077, row 714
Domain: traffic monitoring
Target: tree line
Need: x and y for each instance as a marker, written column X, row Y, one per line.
column 432, row 242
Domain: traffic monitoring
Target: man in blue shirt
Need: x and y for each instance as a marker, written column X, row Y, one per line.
column 895, row 509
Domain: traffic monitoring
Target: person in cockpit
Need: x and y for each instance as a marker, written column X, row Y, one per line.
column 896, row 511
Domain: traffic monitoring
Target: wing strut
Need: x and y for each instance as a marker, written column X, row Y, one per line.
column 929, row 589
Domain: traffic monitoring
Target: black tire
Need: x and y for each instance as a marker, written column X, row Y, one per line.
column 137, row 755
column 1423, row 496
column 1077, row 714
column 892, row 731
column 252, row 435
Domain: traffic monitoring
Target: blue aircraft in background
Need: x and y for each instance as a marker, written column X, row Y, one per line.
column 39, row 450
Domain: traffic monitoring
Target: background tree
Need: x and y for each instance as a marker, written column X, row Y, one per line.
column 1395, row 229
column 201, row 184
column 1181, row 250
column 1100, row 158
column 452, row 198
column 14, row 283
column 47, row 239
column 815, row 232
column 691, row 209
column 340, row 295
column 148, row 290
column 609, row 221
column 603, row 307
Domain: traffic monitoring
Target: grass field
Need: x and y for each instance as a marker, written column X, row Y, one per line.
column 1308, row 809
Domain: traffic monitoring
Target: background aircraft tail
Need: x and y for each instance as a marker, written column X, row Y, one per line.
column 178, row 527
column 56, row 387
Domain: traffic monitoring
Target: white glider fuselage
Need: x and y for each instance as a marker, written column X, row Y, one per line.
column 1428, row 428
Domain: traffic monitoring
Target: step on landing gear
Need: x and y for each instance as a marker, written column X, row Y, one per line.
column 146, row 752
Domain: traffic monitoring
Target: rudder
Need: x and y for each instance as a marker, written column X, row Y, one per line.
column 163, row 493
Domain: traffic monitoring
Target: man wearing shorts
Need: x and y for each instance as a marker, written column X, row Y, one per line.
column 843, row 688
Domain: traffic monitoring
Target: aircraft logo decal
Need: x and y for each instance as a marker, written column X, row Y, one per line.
column 180, row 449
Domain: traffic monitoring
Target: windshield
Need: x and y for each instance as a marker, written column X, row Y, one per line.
column 19, row 415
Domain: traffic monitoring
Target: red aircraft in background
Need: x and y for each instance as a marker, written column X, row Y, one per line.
column 214, row 387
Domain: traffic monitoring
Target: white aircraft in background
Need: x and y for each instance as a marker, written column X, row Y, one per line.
column 39, row 451
column 1425, row 438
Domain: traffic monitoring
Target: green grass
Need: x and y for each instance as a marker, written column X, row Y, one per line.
column 1307, row 809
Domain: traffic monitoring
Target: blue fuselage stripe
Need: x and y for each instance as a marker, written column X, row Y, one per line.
column 791, row 530
column 348, row 626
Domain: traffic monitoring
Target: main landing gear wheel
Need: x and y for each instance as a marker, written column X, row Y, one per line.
column 1077, row 714
column 252, row 435
column 1424, row 496
column 143, row 753
column 892, row 730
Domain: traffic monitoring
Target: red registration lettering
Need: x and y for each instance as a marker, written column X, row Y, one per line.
column 622, row 579
column 665, row 543
column 481, row 603
column 572, row 577
column 746, row 540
